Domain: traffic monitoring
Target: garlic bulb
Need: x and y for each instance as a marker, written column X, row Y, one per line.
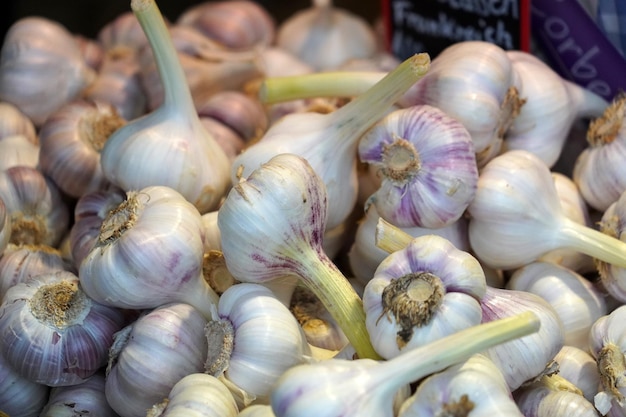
column 86, row 398
column 19, row 396
column 272, row 225
column 39, row 215
column 14, row 122
column 90, row 49
column 148, row 253
column 21, row 262
column 580, row 368
column 598, row 170
column 90, row 210
column 18, row 150
column 40, row 59
column 196, row 394
column 253, row 339
column 134, row 156
column 329, row 141
column 151, row 355
column 54, row 334
column 517, row 207
column 473, row 387
column 427, row 163
column 5, row 226
column 421, row 293
column 122, row 31
column 552, row 105
column 613, row 223
column 577, row 302
column 71, row 140
column 364, row 255
column 552, row 396
column 257, row 410
column 325, row 36
column 365, row 387
column 527, row 357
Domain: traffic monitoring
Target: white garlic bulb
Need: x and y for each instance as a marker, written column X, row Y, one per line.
column 580, row 368
column 52, row 333
column 613, row 223
column 40, row 58
column 196, row 394
column 421, row 293
column 14, row 122
column 16, row 150
column 153, row 353
column 325, row 36
column 86, row 398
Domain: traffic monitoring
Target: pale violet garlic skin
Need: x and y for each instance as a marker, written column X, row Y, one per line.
column 525, row 358
column 150, row 355
column 272, row 225
column 421, row 293
column 19, row 396
column 364, row 256
column 473, row 82
column 40, row 58
column 18, row 150
column 253, row 339
column 71, row 139
column 598, row 170
column 329, row 141
column 577, row 302
column 580, row 368
column 149, row 252
column 427, row 163
column 86, row 398
column 52, row 333
column 171, row 136
column 196, row 394
column 613, row 223
column 5, row 226
column 516, row 216
column 13, row 122
column 552, row 105
column 473, row 387
column 367, row 387
column 607, row 344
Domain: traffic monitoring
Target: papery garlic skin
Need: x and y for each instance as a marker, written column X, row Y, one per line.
column 41, row 67
column 18, row 150
column 14, row 122
column 440, row 295
column 266, row 339
column 151, row 355
column 525, row 358
column 576, row 300
column 257, row 410
column 19, row 396
column 364, row 256
column 196, row 394
column 5, row 226
column 52, row 332
column 473, row 387
column 542, row 399
column 39, row 215
column 149, row 252
column 613, row 223
column 86, row 398
column 580, row 368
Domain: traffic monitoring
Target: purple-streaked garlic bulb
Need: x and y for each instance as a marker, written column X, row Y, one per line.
column 236, row 24
column 19, row 396
column 421, row 293
column 86, row 398
column 22, row 262
column 552, row 105
column 516, row 216
column 525, row 358
column 41, row 67
column 598, row 170
column 123, row 31
column 54, row 334
column 577, row 302
column 427, row 163
column 149, row 252
column 151, row 354
column 71, row 141
column 39, row 214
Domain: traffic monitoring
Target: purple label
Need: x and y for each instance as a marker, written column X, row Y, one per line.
column 577, row 47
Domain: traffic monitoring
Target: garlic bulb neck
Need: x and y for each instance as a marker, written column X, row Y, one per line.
column 611, row 365
column 400, row 160
column 60, row 304
column 221, row 337
column 604, row 129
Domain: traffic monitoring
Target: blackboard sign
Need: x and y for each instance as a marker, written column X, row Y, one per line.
column 414, row 26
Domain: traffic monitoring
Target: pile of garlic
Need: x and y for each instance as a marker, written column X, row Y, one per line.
column 227, row 216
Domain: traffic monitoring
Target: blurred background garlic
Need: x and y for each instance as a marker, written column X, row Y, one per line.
column 18, row 150
column 14, row 122
column 5, row 226
column 41, row 67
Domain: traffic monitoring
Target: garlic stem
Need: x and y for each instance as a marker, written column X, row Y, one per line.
column 593, row 243
column 178, row 99
column 318, row 84
column 391, row 238
column 419, row 362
